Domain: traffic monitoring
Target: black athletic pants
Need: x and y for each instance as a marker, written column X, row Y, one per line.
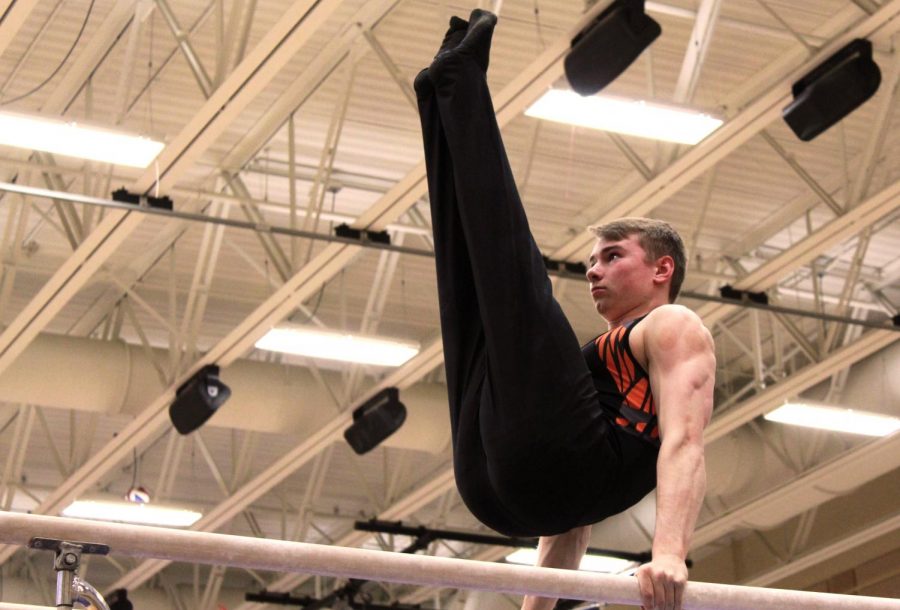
column 531, row 445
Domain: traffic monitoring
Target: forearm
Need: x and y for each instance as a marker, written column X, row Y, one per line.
column 562, row 551
column 681, row 486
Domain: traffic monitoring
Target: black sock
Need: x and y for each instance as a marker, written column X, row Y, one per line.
column 479, row 35
column 455, row 33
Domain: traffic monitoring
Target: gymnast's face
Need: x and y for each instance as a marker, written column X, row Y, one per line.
column 621, row 279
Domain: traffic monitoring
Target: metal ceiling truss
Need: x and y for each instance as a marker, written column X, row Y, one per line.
column 816, row 556
column 240, row 86
column 237, row 342
column 807, row 249
column 13, row 16
column 740, row 128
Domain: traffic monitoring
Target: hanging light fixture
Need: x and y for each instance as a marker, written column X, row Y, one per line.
column 330, row 345
column 74, row 139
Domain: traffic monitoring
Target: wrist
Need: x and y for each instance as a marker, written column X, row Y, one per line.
column 660, row 553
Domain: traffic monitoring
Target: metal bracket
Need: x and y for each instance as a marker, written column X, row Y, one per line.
column 52, row 544
column 69, row 587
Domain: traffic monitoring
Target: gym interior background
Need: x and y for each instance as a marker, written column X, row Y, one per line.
column 283, row 121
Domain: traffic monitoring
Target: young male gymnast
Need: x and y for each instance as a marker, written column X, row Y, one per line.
column 549, row 438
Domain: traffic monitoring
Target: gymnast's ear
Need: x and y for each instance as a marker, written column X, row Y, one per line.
column 665, row 269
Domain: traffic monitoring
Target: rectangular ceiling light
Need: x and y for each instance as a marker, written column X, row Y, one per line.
column 589, row 563
column 316, row 343
column 620, row 115
column 74, row 140
column 131, row 512
column 825, row 417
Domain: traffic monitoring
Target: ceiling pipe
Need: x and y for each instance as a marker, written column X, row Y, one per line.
column 365, row 242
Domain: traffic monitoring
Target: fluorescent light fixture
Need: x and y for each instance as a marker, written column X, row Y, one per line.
column 131, row 512
column 620, row 115
column 316, row 343
column 825, row 417
column 589, row 563
column 75, row 140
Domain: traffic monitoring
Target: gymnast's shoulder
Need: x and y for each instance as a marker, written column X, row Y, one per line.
column 671, row 327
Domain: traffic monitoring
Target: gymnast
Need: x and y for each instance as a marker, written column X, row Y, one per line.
column 549, row 439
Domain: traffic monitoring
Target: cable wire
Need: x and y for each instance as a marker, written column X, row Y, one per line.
column 34, row 90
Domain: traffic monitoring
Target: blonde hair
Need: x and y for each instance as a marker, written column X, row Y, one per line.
column 656, row 237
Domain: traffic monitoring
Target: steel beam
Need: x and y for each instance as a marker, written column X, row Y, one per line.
column 798, row 382
column 129, row 61
column 631, row 155
column 374, row 309
column 129, row 275
column 808, row 490
column 244, row 35
column 834, row 232
column 705, row 199
column 187, row 50
column 317, row 191
column 274, row 251
column 95, row 48
column 12, row 21
column 13, row 242
column 812, row 558
column 787, row 26
column 195, row 308
column 243, row 84
column 670, row 10
column 799, row 338
column 74, row 273
column 23, row 58
column 824, row 195
column 878, row 133
column 698, row 45
column 15, row 455
column 319, row 69
column 689, row 76
column 170, row 462
column 401, row 79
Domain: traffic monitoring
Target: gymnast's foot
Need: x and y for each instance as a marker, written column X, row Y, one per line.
column 474, row 42
column 455, row 33
column 479, row 34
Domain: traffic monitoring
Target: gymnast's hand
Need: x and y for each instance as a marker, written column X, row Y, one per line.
column 662, row 582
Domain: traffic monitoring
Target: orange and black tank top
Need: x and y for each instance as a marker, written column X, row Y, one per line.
column 622, row 384
column 626, row 399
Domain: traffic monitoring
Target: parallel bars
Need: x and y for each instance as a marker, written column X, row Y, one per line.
column 282, row 556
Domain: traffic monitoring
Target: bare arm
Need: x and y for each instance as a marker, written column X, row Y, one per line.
column 562, row 551
column 681, row 363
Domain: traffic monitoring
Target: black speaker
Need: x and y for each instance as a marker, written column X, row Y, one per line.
column 606, row 47
column 833, row 90
column 118, row 600
column 198, row 399
column 375, row 420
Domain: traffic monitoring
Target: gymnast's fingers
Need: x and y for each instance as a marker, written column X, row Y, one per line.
column 646, row 588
